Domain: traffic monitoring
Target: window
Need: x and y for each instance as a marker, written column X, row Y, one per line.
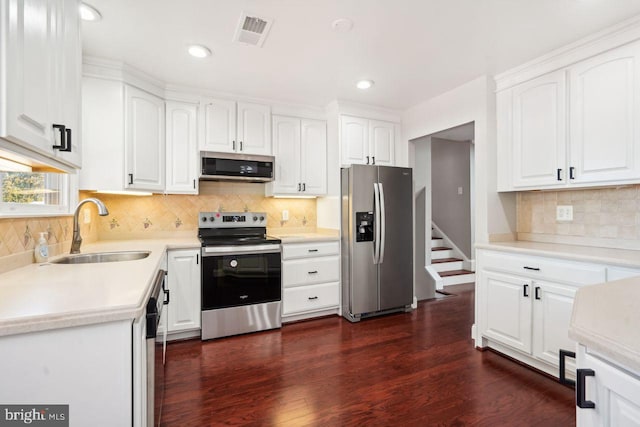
column 28, row 189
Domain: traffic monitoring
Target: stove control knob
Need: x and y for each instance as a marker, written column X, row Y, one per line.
column 212, row 219
column 204, row 219
column 261, row 218
column 255, row 218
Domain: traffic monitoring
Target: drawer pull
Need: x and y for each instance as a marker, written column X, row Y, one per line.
column 312, row 298
column 525, row 290
column 537, row 292
column 313, row 250
column 581, row 400
column 313, row 272
column 531, row 268
column 563, row 377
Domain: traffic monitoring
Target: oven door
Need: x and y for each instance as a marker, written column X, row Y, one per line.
column 240, row 275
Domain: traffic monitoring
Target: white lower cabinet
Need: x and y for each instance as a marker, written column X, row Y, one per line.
column 310, row 279
column 606, row 394
column 525, row 304
column 183, row 274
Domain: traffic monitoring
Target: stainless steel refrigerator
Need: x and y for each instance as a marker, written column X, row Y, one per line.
column 377, row 240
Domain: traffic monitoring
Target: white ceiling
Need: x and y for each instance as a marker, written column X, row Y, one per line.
column 412, row 49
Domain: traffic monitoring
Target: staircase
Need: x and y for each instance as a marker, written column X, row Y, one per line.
column 446, row 264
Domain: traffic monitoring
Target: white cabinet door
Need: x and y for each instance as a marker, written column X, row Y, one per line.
column 29, row 37
column 354, row 138
column 552, row 307
column 254, row 129
column 605, row 112
column 69, row 80
column 313, row 157
column 182, row 150
column 144, row 140
column 184, row 289
column 286, row 149
column 615, row 393
column 382, row 143
column 218, row 126
column 539, row 131
column 506, row 305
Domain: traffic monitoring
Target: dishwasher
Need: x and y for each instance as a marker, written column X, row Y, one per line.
column 156, row 348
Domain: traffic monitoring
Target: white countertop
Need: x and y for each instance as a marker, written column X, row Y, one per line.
column 48, row 296
column 620, row 257
column 606, row 319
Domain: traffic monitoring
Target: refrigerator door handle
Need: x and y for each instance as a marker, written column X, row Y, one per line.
column 382, row 222
column 376, row 222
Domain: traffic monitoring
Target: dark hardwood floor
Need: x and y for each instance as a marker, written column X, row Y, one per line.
column 408, row 369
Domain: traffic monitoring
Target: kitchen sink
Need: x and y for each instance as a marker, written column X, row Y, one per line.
column 99, row 257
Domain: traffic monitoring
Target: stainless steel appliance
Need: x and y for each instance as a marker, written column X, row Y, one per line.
column 241, row 274
column 156, row 347
column 236, row 167
column 377, row 240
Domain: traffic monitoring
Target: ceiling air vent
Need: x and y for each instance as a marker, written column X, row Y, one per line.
column 252, row 30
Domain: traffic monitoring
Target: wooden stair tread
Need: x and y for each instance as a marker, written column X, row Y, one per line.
column 454, row 273
column 440, row 248
column 438, row 261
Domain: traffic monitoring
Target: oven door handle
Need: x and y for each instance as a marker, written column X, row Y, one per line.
column 239, row 250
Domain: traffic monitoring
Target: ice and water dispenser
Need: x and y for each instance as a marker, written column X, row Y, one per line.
column 364, row 226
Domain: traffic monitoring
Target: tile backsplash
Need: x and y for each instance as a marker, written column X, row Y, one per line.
column 608, row 217
column 172, row 215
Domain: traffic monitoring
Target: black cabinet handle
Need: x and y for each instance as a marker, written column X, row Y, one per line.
column 240, row 145
column 197, row 258
column 581, row 401
column 130, row 178
column 563, row 378
column 166, row 297
column 313, row 272
column 525, row 290
column 367, row 159
column 559, row 171
column 312, row 298
column 299, row 187
column 63, row 137
column 537, row 292
column 531, row 268
column 194, row 184
column 571, row 170
column 304, row 186
column 67, row 146
column 373, row 160
column 313, row 250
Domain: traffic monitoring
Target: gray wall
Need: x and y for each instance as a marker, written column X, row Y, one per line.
column 451, row 212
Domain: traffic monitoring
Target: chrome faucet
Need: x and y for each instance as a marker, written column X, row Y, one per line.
column 77, row 239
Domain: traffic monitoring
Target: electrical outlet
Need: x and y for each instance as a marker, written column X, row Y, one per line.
column 564, row 213
column 86, row 216
column 459, row 190
column 285, row 215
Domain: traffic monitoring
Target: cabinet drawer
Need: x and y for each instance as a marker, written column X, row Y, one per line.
column 305, row 250
column 536, row 267
column 309, row 271
column 310, row 298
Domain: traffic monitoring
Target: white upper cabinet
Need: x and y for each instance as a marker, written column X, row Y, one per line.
column 578, row 126
column 254, row 129
column 230, row 127
column 367, row 142
column 605, row 116
column 539, row 131
column 382, row 143
column 144, row 140
column 300, row 149
column 40, row 73
column 182, row 149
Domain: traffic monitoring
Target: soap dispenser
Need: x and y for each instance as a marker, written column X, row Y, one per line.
column 41, row 251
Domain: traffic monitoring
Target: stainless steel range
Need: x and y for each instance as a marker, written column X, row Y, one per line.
column 241, row 274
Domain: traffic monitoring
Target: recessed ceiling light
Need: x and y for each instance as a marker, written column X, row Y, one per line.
column 199, row 51
column 89, row 13
column 342, row 25
column 364, row 84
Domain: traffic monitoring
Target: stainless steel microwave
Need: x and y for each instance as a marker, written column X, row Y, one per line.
column 236, row 167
